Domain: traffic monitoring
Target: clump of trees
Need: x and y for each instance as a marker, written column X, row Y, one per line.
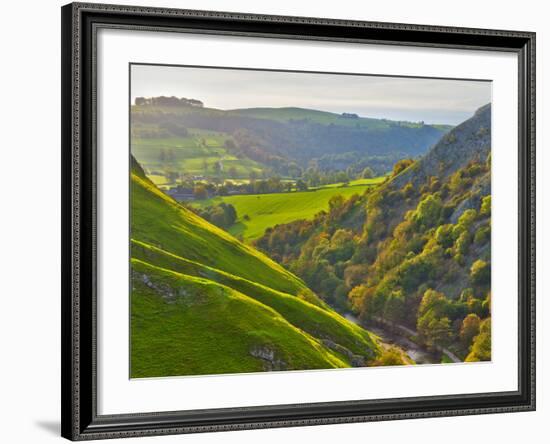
column 200, row 192
column 481, row 346
column 402, row 165
column 416, row 256
column 222, row 215
column 167, row 101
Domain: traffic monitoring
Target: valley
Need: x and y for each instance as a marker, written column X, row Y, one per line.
column 268, row 239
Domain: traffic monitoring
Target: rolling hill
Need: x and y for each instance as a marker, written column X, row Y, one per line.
column 204, row 303
column 277, row 138
column 196, row 153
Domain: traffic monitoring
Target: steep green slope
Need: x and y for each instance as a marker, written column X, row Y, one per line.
column 164, row 259
column 311, row 315
column 183, row 325
column 204, row 303
column 160, row 221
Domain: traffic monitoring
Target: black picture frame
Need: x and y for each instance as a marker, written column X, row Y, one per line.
column 80, row 420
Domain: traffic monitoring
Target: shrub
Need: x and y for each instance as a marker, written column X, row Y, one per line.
column 467, row 218
column 475, row 306
column 390, row 356
column 483, row 234
column 434, row 183
column 480, row 272
column 485, row 209
column 408, row 190
column 462, row 244
column 402, row 165
column 473, row 169
column 428, row 211
column 486, row 306
column 466, row 295
column 444, row 235
column 459, row 259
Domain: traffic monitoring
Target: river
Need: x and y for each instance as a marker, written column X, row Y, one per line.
column 416, row 352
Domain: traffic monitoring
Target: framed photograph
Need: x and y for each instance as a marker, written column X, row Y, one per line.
column 282, row 221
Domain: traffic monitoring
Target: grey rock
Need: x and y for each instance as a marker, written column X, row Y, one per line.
column 268, row 356
column 471, row 140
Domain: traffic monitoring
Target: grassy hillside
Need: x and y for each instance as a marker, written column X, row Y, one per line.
column 160, row 221
column 316, row 116
column 306, row 312
column 195, row 154
column 205, row 303
column 210, row 328
column 277, row 138
column 268, row 210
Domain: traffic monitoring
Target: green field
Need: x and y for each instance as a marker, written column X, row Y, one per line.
column 353, row 183
column 268, row 210
column 204, row 303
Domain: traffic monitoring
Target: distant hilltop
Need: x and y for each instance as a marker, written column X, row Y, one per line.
column 168, row 101
column 349, row 116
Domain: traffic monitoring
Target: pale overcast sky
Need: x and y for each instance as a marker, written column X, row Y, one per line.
column 396, row 98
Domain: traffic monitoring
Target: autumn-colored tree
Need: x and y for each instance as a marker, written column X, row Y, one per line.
column 200, row 192
column 469, row 329
column 361, row 299
column 481, row 348
column 354, row 274
column 391, row 356
column 401, row 166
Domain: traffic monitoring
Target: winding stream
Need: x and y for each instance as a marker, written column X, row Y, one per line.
column 416, row 352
